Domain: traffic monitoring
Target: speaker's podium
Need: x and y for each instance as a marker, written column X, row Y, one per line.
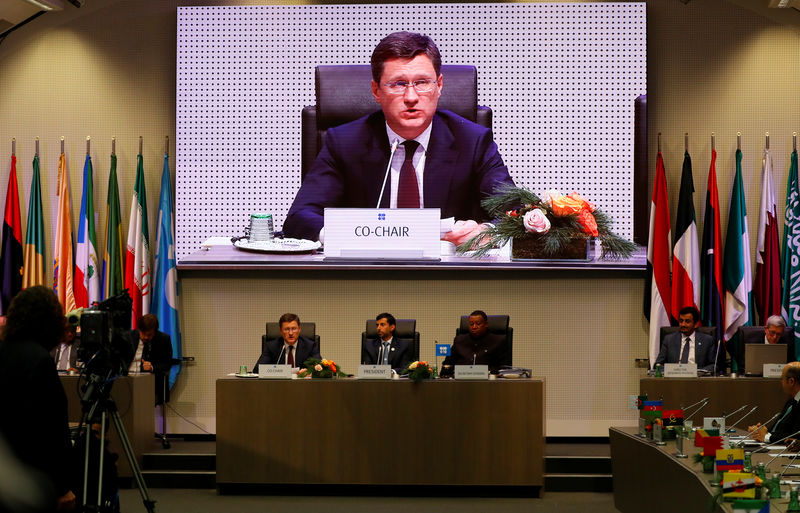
column 382, row 234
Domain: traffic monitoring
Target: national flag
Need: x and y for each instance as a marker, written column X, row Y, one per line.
column 165, row 286
column 711, row 313
column 640, row 401
column 790, row 305
column 702, row 434
column 33, row 270
column 11, row 261
column 672, row 417
column 62, row 252
column 657, row 285
column 730, row 459
column 739, row 485
column 653, row 409
column 737, row 273
column 686, row 253
column 137, row 255
column 767, row 284
column 711, row 444
column 87, row 278
column 751, row 506
column 113, row 275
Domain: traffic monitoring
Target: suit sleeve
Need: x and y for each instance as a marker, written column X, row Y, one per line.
column 405, row 358
column 315, row 350
column 161, row 353
column 662, row 352
column 492, row 171
column 710, row 354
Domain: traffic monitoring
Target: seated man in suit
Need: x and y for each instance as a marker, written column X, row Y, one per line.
column 688, row 345
column 291, row 348
column 150, row 351
column 773, row 329
column 479, row 347
column 65, row 354
column 788, row 422
column 386, row 349
column 442, row 159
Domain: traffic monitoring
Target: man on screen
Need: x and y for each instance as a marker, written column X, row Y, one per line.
column 478, row 347
column 290, row 348
column 688, row 345
column 442, row 160
column 386, row 349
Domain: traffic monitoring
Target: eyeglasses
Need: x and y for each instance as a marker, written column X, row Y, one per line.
column 424, row 85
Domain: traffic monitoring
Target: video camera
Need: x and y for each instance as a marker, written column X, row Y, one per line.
column 102, row 347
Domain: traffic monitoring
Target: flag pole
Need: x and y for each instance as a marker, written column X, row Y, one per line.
column 37, row 147
column 686, row 142
column 166, row 145
column 13, row 146
column 739, row 141
column 113, row 146
column 794, row 141
column 140, row 145
column 62, row 144
column 88, row 147
column 712, row 141
column 767, row 140
column 659, row 142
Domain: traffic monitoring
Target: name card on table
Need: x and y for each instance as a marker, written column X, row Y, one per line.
column 472, row 372
column 680, row 370
column 382, row 233
column 274, row 371
column 374, row 372
column 714, row 423
column 773, row 370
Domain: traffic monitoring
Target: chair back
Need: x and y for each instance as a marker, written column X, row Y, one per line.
column 405, row 329
column 307, row 330
column 344, row 94
column 498, row 325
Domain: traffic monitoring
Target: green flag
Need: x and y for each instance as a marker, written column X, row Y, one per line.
column 790, row 305
column 33, row 269
column 113, row 274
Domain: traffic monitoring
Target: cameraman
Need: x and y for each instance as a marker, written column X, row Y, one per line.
column 34, row 419
column 150, row 351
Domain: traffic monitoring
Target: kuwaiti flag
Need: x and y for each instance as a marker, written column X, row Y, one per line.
column 33, row 270
column 11, row 261
column 113, row 275
column 165, row 285
column 791, row 254
column 62, row 253
column 137, row 255
column 767, row 284
column 737, row 272
column 87, row 277
column 711, row 294
column 659, row 244
column 686, row 253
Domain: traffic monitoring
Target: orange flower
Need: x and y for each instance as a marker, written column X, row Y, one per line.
column 567, row 205
column 588, row 222
column 333, row 367
column 577, row 197
column 512, row 213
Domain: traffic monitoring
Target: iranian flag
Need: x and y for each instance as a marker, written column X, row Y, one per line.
column 137, row 255
column 87, row 278
column 657, row 287
column 767, row 285
column 686, row 253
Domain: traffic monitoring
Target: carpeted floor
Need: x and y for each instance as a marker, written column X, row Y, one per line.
column 207, row 501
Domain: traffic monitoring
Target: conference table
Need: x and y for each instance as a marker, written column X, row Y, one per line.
column 648, row 477
column 134, row 396
column 380, row 432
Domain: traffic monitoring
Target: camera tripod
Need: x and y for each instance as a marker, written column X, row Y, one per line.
column 97, row 401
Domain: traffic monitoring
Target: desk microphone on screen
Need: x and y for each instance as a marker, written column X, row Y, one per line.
column 388, row 168
column 283, row 348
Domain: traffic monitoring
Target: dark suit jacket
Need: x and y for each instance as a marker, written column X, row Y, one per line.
column 34, row 418
column 462, row 167
column 489, row 350
column 789, row 425
column 73, row 355
column 159, row 353
column 274, row 354
column 704, row 350
column 399, row 352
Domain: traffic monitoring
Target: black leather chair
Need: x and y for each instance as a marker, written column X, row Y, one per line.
column 498, row 325
column 307, row 330
column 708, row 330
column 344, row 94
column 755, row 335
column 405, row 329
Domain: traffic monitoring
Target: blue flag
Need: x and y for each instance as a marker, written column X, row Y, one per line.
column 165, row 287
column 442, row 349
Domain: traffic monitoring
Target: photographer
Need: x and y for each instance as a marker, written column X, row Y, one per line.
column 34, row 420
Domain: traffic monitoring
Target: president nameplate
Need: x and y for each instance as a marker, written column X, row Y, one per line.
column 274, row 371
column 374, row 372
column 472, row 372
column 382, row 233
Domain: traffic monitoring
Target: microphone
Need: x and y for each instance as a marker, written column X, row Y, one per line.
column 388, row 168
column 716, row 355
column 705, row 403
column 474, row 357
column 724, row 416
column 278, row 361
column 731, row 430
column 758, row 426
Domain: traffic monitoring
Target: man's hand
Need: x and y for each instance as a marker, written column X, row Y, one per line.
column 463, row 231
column 66, row 502
column 759, row 432
column 147, row 366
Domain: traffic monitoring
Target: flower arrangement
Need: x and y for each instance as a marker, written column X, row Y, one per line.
column 549, row 227
column 325, row 369
column 418, row 371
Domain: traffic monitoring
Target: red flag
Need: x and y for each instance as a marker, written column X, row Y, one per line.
column 686, row 253
column 11, row 261
column 767, row 285
column 659, row 260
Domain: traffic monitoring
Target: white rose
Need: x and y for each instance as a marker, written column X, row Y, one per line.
column 550, row 195
column 535, row 221
column 318, row 368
